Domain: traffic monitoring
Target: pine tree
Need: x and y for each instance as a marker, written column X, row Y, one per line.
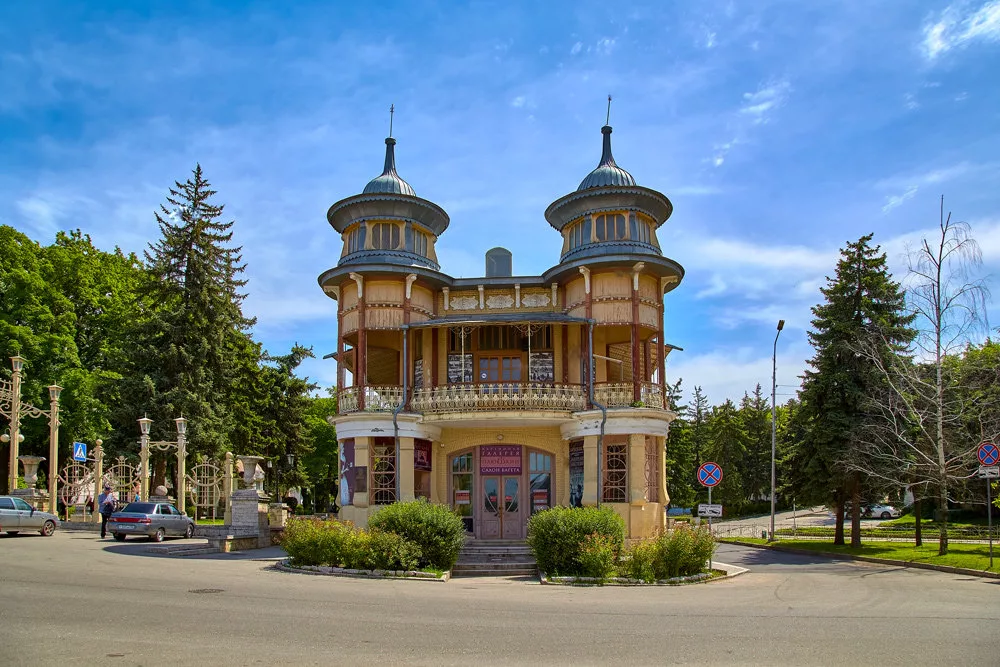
column 861, row 297
column 728, row 448
column 197, row 323
column 681, row 466
column 697, row 423
column 755, row 417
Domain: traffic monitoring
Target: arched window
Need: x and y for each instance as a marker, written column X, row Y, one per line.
column 610, row 227
column 385, row 236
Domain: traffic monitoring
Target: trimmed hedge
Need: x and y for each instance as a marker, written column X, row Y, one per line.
column 435, row 529
column 338, row 544
column 556, row 536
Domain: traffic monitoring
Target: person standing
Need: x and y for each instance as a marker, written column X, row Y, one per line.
column 106, row 502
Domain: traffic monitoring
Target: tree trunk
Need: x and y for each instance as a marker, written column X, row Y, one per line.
column 838, row 531
column 916, row 515
column 943, row 519
column 856, row 513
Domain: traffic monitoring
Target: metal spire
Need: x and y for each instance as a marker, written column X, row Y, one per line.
column 607, row 121
column 392, row 110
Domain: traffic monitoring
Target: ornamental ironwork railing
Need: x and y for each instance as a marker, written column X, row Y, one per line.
column 621, row 395
column 377, row 399
column 500, row 396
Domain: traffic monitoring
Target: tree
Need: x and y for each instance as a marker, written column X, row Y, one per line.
column 697, row 423
column 321, row 462
column 926, row 408
column 680, row 456
column 728, row 449
column 755, row 418
column 190, row 341
column 836, row 387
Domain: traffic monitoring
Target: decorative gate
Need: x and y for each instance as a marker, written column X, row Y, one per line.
column 76, row 484
column 123, row 477
column 206, row 486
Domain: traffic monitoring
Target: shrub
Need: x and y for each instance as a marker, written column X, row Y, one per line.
column 682, row 552
column 435, row 529
column 640, row 560
column 556, row 536
column 598, row 556
column 315, row 542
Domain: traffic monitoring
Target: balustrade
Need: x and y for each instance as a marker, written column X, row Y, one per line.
column 377, row 399
column 500, row 396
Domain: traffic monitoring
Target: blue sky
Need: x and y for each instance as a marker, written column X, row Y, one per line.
column 780, row 131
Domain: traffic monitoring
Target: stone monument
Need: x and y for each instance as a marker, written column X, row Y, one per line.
column 34, row 497
column 250, row 506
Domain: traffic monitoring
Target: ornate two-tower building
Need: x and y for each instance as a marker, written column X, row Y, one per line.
column 503, row 395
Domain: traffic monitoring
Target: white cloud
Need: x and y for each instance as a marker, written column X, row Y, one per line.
column 576, row 48
column 605, row 45
column 896, row 200
column 952, row 29
column 910, row 101
column 730, row 372
column 768, row 97
column 710, row 40
column 518, row 102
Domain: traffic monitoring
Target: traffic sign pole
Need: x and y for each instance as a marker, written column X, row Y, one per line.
column 989, row 520
column 710, row 532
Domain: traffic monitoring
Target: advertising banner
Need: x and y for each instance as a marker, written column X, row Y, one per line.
column 500, row 459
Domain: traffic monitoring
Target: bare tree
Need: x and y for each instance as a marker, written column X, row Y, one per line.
column 923, row 438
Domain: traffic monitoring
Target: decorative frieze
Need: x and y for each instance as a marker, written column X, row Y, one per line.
column 535, row 300
column 464, row 302
column 500, row 301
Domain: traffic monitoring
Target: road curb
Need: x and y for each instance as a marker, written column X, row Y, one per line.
column 871, row 559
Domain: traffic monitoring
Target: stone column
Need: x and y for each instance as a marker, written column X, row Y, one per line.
column 404, row 468
column 361, row 458
column 95, row 516
column 249, row 505
column 636, row 469
column 227, row 488
column 590, row 455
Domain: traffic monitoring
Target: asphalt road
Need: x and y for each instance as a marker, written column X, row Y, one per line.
column 72, row 599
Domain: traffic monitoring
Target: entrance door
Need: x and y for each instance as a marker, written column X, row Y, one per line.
column 501, row 511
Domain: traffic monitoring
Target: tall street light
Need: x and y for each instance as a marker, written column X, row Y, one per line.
column 774, row 420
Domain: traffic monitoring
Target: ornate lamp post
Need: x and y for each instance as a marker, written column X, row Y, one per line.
column 10, row 398
column 163, row 445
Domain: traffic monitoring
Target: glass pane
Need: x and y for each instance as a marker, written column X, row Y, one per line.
column 541, row 492
column 462, row 490
column 620, row 226
column 395, row 235
column 510, row 494
column 491, row 490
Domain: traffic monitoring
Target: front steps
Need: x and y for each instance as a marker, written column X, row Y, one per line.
column 495, row 558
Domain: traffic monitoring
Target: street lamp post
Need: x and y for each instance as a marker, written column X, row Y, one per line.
column 774, row 421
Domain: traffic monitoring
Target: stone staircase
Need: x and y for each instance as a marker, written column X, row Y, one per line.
column 495, row 558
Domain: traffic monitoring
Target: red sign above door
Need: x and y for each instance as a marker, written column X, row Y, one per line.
column 500, row 459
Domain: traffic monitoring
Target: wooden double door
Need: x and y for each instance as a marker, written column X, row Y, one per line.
column 501, row 516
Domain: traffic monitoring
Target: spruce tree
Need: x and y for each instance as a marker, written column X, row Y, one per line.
column 861, row 298
column 680, row 457
column 197, row 328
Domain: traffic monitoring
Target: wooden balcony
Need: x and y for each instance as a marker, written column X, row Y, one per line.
column 500, row 396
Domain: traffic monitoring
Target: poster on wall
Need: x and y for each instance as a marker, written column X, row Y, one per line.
column 418, row 374
column 422, row 455
column 500, row 459
column 542, row 367
column 455, row 375
column 361, row 479
column 346, row 473
column 575, row 474
column 463, row 497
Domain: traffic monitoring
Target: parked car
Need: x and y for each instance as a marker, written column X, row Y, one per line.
column 154, row 520
column 878, row 511
column 17, row 516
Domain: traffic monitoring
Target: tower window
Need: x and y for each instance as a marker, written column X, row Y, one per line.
column 385, row 236
column 643, row 229
column 576, row 235
column 610, row 227
column 354, row 240
column 420, row 243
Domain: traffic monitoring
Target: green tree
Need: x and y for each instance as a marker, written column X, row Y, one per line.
column 755, row 419
column 321, row 462
column 697, row 416
column 727, row 447
column 680, row 458
column 836, row 387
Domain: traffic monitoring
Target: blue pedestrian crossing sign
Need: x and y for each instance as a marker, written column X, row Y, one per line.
column 709, row 474
column 79, row 451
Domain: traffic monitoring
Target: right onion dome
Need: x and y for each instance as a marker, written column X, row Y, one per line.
column 609, row 215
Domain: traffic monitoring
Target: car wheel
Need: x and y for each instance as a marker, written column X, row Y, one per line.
column 158, row 535
column 886, row 515
column 48, row 528
column 119, row 537
column 12, row 532
column 189, row 533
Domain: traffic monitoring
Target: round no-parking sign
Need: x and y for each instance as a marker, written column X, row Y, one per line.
column 988, row 454
column 709, row 474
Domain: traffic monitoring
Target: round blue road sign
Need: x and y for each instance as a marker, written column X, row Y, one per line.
column 988, row 454
column 709, row 474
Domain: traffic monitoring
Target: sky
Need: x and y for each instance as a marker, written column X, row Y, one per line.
column 780, row 131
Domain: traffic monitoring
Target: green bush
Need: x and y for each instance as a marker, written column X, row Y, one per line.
column 315, row 542
column 378, row 550
column 435, row 529
column 639, row 561
column 682, row 552
column 556, row 536
column 340, row 544
column 598, row 556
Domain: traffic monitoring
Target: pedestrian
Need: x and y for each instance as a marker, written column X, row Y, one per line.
column 136, row 495
column 106, row 501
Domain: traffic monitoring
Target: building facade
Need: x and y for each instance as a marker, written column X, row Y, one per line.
column 503, row 395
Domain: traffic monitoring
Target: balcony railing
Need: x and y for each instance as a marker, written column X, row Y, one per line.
column 377, row 399
column 500, row 396
column 621, row 394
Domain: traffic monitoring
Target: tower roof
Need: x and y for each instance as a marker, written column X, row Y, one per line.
column 389, row 182
column 607, row 172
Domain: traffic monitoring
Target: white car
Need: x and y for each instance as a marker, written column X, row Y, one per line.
column 17, row 516
column 882, row 512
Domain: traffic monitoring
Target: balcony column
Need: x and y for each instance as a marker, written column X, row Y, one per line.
column 360, row 353
column 406, row 332
column 637, row 469
column 427, row 351
column 590, row 455
column 588, row 306
column 404, row 468
column 361, row 458
column 340, row 346
column 661, row 355
column 636, row 376
column 565, row 353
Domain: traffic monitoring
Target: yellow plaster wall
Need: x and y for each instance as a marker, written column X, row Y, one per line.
column 384, row 291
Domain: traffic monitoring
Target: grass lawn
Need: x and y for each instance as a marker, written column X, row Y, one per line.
column 210, row 522
column 971, row 556
column 909, row 521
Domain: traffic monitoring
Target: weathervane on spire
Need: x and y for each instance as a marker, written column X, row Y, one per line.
column 607, row 121
column 392, row 110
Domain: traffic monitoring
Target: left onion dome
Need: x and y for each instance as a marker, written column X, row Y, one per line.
column 388, row 223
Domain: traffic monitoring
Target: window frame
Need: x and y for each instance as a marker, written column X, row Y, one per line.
column 614, row 475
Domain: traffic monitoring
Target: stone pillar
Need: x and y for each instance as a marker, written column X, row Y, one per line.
column 361, row 458
column 404, row 468
column 249, row 506
column 590, row 455
column 95, row 517
column 636, row 469
column 227, row 488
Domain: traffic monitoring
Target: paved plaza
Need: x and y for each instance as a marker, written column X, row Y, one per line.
column 73, row 599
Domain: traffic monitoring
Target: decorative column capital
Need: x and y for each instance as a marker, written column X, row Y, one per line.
column 586, row 279
column 360, row 280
